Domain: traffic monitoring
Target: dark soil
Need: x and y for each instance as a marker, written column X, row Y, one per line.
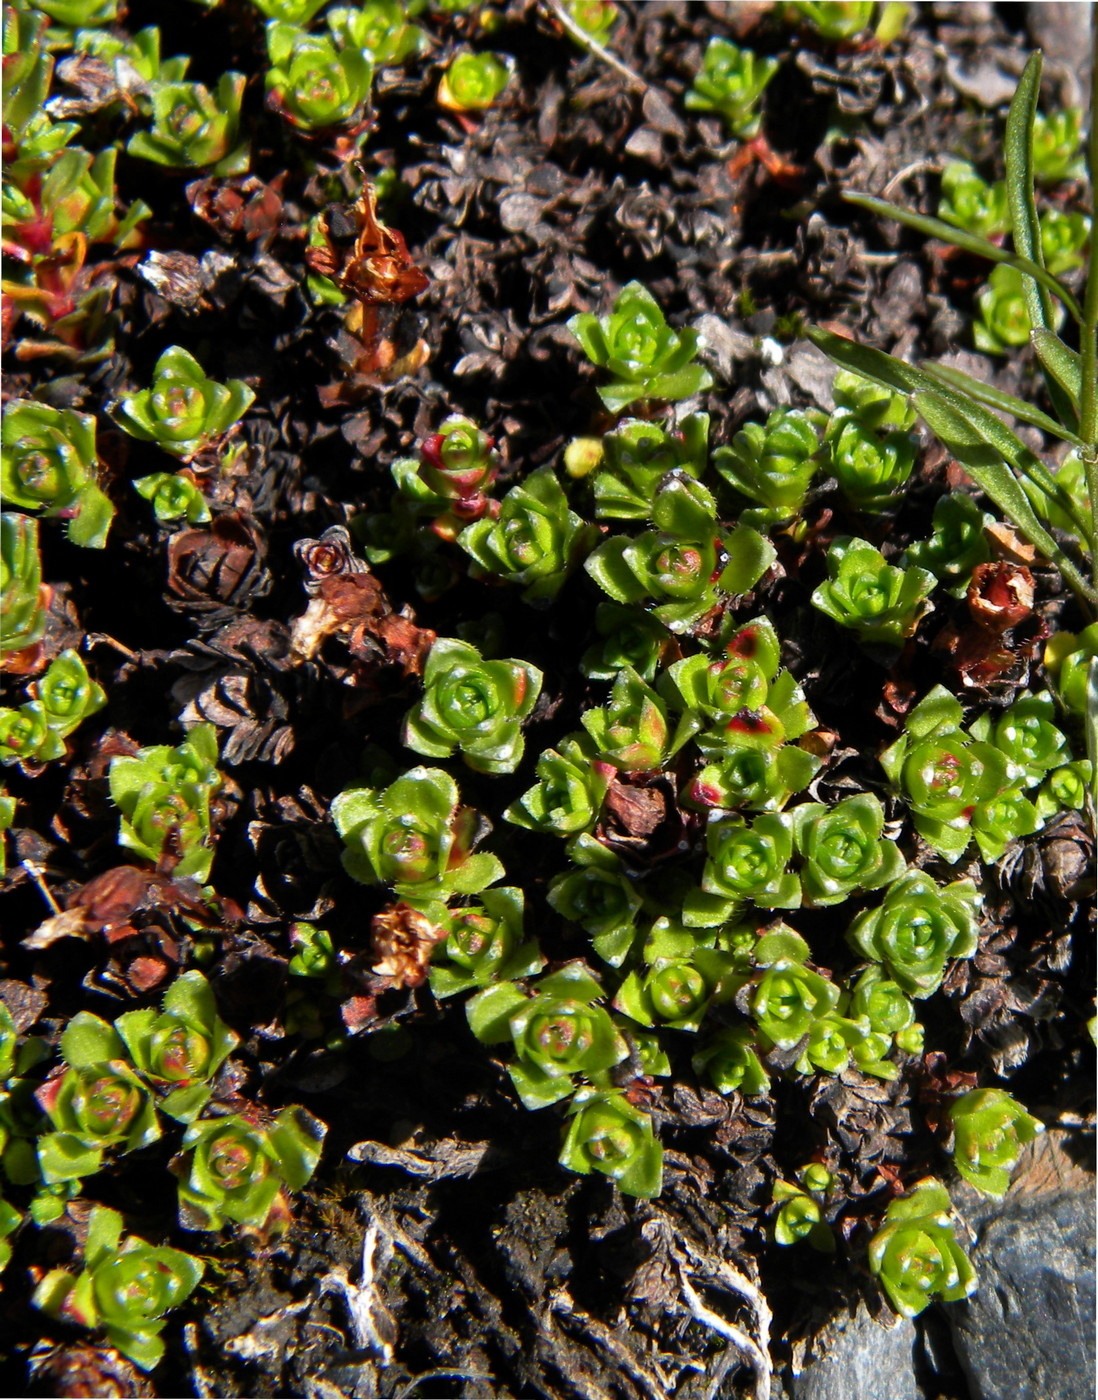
column 498, row 1273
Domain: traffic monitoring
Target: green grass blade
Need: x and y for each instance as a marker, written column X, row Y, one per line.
column 1061, row 362
column 996, row 399
column 1025, row 225
column 949, row 233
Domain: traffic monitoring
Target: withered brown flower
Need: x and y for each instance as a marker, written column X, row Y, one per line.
column 401, row 940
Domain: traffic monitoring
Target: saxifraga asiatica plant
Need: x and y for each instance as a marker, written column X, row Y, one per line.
column 915, row 1256
column 164, row 791
column 415, row 837
column 59, row 700
column 647, row 359
column 963, row 411
column 50, row 464
column 125, row 1288
column 731, row 82
column 313, row 84
column 194, row 128
column 474, row 706
column 989, row 1131
column 184, row 411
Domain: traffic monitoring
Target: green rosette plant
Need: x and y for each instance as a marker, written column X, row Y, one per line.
column 600, row 897
column 49, row 463
column 484, row 945
column 747, row 863
column 771, row 466
column 1065, row 789
column 730, row 1061
column 915, row 1257
column 971, row 203
column 1002, row 314
column 313, row 84
column 873, row 405
column 684, row 563
column 1064, row 237
column 883, row 604
column 380, row 28
column 746, row 777
column 871, row 467
column 64, row 696
column 731, row 82
column 800, row 1209
column 97, row 1103
column 637, row 455
column 569, row 793
column 234, row 1169
column 1026, row 735
column 838, row 21
column 23, row 595
column 67, row 694
column 606, row 1134
column 989, row 1131
column 174, row 496
column 25, row 736
column 681, row 979
column 1057, row 145
column 787, row 999
column 184, row 411
column 181, row 1049
column 414, row 837
column 631, row 732
column 163, row 791
column 596, row 18
column 956, row 545
column 124, row 1289
column 843, row 850
column 472, row 705
column 473, row 81
column 558, row 1032
column 195, row 129
column 1003, row 819
column 628, row 637
column 945, row 773
column 647, row 359
column 917, row 929
column 452, row 475
column 886, row 1008
column 534, row 541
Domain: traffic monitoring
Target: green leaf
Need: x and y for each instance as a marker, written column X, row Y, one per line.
column 489, row 1012
column 88, row 1040
column 1061, row 362
column 749, row 556
column 991, row 397
column 89, row 526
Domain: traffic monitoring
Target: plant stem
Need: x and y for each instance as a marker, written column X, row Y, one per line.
column 1088, row 339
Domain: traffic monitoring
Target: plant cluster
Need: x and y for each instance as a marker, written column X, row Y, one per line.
column 701, row 881
column 108, row 1097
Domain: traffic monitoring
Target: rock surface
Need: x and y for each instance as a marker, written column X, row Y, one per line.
column 864, row 1361
column 1028, row 1331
